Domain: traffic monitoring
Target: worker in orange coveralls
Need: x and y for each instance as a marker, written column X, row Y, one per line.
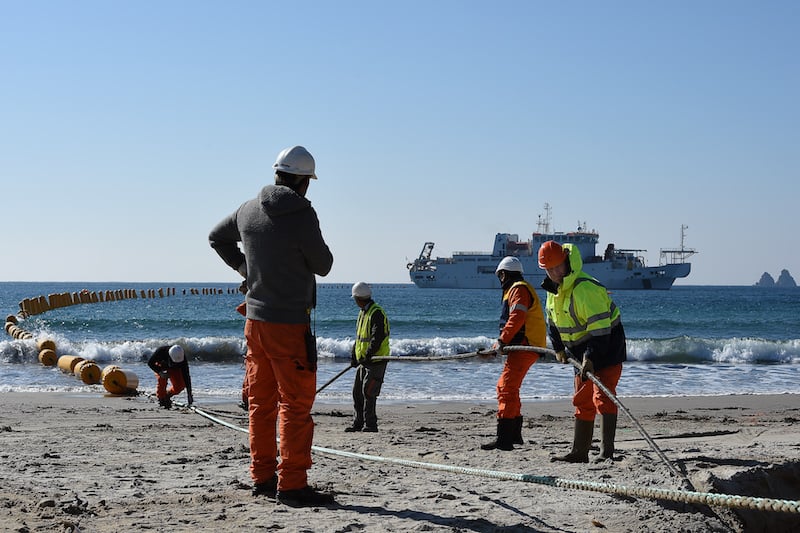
column 282, row 250
column 521, row 324
column 170, row 365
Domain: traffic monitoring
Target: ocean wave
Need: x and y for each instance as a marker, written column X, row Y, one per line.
column 231, row 349
column 699, row 350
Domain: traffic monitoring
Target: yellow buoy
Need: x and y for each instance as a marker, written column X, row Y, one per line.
column 118, row 381
column 46, row 343
column 88, row 372
column 67, row 363
column 48, row 357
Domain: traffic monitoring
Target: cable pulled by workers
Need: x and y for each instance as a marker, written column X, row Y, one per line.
column 584, row 322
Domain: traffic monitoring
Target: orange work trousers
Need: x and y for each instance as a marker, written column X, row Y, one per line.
column 590, row 400
column 279, row 383
column 175, row 376
column 510, row 381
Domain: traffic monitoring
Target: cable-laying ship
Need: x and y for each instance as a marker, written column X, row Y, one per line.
column 616, row 269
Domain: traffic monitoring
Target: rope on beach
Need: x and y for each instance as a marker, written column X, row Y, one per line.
column 214, row 418
column 719, row 500
column 223, row 414
column 546, row 351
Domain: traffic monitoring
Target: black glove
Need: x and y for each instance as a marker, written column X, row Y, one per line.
column 353, row 362
column 499, row 346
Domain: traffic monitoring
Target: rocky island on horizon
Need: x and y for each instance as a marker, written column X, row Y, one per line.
column 784, row 280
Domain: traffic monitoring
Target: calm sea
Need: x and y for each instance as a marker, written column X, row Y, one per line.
column 691, row 340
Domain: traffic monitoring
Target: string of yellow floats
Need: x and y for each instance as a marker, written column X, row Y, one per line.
column 114, row 379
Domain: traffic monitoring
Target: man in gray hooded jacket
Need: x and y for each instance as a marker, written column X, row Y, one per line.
column 282, row 250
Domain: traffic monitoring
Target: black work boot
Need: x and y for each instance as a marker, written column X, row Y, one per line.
column 506, row 428
column 357, row 425
column 581, row 443
column 305, row 497
column 518, row 431
column 267, row 488
column 608, row 430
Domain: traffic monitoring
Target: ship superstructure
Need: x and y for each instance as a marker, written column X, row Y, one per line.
column 617, row 268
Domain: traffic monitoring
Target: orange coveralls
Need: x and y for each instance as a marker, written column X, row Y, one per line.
column 278, row 380
column 520, row 302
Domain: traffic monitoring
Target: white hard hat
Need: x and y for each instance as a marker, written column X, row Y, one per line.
column 295, row 160
column 510, row 264
column 361, row 290
column 176, row 354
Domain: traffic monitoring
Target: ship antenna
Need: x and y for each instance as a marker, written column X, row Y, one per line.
column 684, row 227
column 680, row 255
column 543, row 226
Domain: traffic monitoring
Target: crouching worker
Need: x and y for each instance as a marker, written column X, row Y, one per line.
column 171, row 368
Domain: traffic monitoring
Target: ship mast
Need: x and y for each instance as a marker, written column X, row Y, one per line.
column 677, row 256
column 543, row 225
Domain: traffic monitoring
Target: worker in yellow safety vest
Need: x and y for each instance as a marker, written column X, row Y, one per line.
column 372, row 340
column 584, row 323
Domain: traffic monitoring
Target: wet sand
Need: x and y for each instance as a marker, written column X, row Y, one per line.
column 88, row 462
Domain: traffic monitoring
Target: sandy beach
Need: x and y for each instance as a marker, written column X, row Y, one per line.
column 98, row 463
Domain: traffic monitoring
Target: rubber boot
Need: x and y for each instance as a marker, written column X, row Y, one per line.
column 518, row 431
column 581, row 443
column 608, row 430
column 505, row 435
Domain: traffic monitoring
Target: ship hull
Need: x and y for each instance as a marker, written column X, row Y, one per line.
column 477, row 272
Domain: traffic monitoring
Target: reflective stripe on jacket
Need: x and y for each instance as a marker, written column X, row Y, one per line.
column 364, row 334
column 585, row 310
column 533, row 331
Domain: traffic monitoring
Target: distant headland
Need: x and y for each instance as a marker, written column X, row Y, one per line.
column 784, row 280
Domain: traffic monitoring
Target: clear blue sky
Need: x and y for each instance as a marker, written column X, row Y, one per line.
column 128, row 129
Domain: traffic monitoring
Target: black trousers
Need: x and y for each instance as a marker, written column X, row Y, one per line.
column 366, row 389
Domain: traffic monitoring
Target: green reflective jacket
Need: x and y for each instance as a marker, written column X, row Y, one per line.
column 364, row 328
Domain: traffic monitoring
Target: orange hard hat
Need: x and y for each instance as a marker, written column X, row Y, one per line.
column 551, row 254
